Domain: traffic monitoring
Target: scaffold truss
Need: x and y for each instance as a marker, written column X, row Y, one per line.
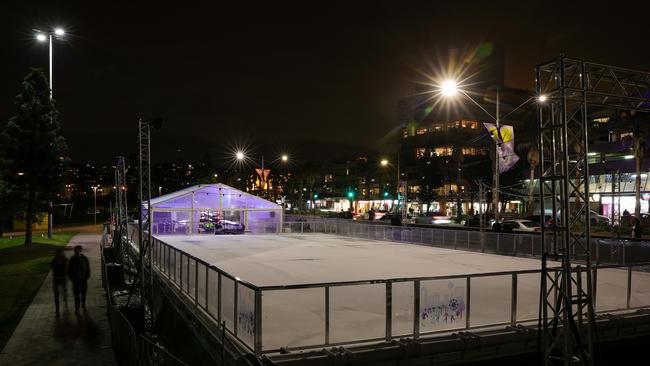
column 573, row 89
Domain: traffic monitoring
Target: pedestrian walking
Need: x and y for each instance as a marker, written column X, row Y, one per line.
column 59, row 267
column 79, row 273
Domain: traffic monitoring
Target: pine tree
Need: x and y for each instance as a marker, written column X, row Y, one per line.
column 34, row 157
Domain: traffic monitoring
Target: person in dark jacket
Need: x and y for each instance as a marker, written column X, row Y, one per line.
column 79, row 273
column 59, row 267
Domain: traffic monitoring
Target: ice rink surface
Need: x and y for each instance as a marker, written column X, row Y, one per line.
column 294, row 318
column 310, row 258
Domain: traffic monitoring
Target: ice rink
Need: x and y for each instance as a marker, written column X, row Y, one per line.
column 308, row 258
column 294, row 318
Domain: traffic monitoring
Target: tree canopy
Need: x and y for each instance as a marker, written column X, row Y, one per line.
column 34, row 157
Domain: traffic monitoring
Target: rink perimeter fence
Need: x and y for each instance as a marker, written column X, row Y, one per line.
column 268, row 319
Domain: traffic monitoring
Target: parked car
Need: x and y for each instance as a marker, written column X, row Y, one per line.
column 597, row 219
column 519, row 225
column 434, row 218
column 228, row 227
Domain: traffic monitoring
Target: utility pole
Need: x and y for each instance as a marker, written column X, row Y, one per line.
column 495, row 191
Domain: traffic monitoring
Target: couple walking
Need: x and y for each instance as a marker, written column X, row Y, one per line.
column 77, row 269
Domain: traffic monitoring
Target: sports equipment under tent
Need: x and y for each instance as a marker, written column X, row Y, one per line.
column 213, row 209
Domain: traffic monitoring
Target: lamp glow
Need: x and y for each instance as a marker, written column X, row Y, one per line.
column 284, row 158
column 41, row 37
column 59, row 31
column 449, row 88
column 384, row 162
column 542, row 98
column 239, row 155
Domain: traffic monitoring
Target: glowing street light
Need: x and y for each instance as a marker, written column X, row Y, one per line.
column 239, row 155
column 542, row 98
column 449, row 88
column 384, row 162
column 44, row 36
column 284, row 158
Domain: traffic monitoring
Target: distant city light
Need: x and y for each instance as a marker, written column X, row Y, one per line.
column 41, row 37
column 449, row 88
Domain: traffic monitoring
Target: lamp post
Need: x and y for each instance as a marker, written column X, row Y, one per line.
column 42, row 37
column 95, row 203
column 241, row 157
column 385, row 163
column 48, row 36
column 450, row 88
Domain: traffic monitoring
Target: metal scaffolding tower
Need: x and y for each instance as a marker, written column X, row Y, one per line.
column 121, row 207
column 571, row 88
column 144, row 195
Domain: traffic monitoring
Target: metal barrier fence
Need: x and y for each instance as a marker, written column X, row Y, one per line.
column 225, row 298
column 129, row 347
column 604, row 251
column 266, row 319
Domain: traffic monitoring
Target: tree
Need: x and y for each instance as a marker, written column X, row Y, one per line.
column 35, row 156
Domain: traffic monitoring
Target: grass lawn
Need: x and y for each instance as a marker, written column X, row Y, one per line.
column 22, row 271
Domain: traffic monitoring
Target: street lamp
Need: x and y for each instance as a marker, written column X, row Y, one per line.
column 95, row 199
column 450, row 88
column 42, row 37
column 284, row 158
column 45, row 36
column 385, row 163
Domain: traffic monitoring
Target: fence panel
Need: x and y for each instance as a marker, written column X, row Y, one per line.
column 443, row 305
column 201, row 284
column 213, row 293
column 639, row 287
column 293, row 318
column 611, row 289
column 402, row 308
column 228, row 302
column 357, row 312
column 528, row 296
column 491, row 300
column 246, row 315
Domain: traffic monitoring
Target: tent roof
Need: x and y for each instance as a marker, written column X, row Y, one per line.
column 179, row 196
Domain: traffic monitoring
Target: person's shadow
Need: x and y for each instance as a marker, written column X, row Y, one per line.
column 70, row 327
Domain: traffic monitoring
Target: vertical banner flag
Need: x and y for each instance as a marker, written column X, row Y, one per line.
column 505, row 139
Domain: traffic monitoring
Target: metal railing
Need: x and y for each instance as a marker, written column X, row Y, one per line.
column 266, row 319
column 225, row 298
column 130, row 348
column 605, row 251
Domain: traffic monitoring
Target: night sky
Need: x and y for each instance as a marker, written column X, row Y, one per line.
column 318, row 81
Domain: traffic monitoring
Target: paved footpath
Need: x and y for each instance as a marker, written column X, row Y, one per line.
column 42, row 339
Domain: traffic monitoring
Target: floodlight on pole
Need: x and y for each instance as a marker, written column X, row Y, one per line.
column 59, row 31
column 542, row 98
column 383, row 162
column 239, row 155
column 284, row 158
column 41, row 37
